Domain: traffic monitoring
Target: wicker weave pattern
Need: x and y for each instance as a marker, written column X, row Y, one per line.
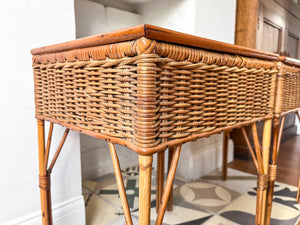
column 148, row 92
column 207, row 97
column 291, row 88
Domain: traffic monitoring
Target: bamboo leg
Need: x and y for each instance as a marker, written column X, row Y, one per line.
column 145, row 164
column 170, row 202
column 49, row 207
column 270, row 194
column 262, row 181
column 259, row 168
column 41, row 144
column 265, row 158
column 46, row 174
column 298, row 116
column 44, row 193
column 41, row 147
column 259, row 198
column 261, row 162
column 44, row 177
column 298, row 192
column 160, row 177
column 277, row 134
column 260, row 177
column 168, row 187
column 225, row 154
column 120, row 184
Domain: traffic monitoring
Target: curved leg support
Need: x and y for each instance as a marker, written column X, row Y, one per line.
column 160, row 177
column 225, row 154
column 170, row 157
column 168, row 187
column 120, row 184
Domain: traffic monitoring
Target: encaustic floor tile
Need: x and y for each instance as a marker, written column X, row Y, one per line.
column 207, row 196
column 208, row 200
column 242, row 211
column 99, row 211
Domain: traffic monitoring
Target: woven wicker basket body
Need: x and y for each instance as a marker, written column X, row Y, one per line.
column 147, row 95
column 288, row 88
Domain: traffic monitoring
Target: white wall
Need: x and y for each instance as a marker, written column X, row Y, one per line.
column 93, row 18
column 173, row 14
column 26, row 24
column 215, row 19
column 202, row 156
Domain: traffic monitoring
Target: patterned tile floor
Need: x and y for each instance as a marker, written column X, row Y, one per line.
column 208, row 200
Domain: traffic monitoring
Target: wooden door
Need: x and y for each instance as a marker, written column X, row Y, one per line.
column 278, row 27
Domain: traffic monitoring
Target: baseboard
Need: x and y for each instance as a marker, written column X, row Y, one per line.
column 70, row 212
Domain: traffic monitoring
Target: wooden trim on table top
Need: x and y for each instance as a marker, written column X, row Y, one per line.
column 154, row 33
column 122, row 35
column 171, row 36
column 290, row 61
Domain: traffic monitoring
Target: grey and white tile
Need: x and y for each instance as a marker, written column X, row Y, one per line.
column 208, row 200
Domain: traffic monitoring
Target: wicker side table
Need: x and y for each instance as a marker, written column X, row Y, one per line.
column 151, row 89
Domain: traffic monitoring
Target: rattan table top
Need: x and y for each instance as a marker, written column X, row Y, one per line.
column 154, row 33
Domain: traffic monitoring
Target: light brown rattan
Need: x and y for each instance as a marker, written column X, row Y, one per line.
column 290, row 78
column 287, row 100
column 147, row 94
column 298, row 192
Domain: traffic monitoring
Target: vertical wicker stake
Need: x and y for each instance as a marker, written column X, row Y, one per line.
column 160, row 177
column 225, row 154
column 145, row 164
